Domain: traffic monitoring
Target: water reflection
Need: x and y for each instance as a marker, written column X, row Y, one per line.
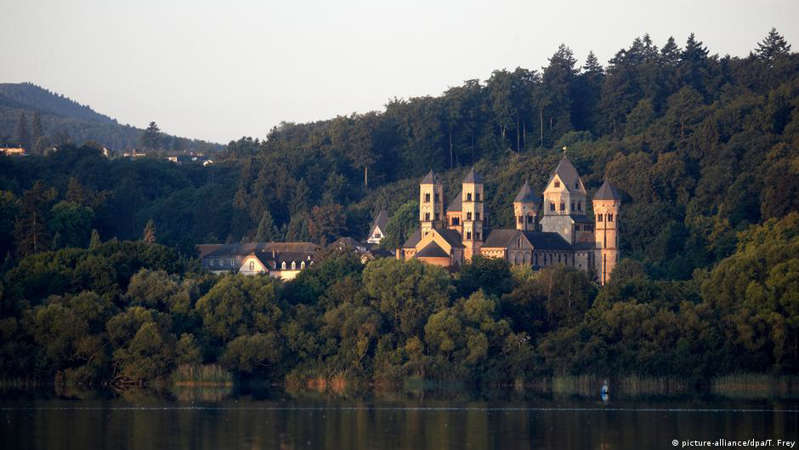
column 222, row 419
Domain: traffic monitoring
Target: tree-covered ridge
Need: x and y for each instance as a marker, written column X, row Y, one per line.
column 31, row 96
column 131, row 312
column 37, row 119
column 703, row 149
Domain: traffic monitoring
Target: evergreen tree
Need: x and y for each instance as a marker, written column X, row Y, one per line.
column 557, row 88
column 772, row 47
column 266, row 228
column 149, row 232
column 38, row 130
column 95, row 241
column 30, row 230
column 23, row 134
column 151, row 137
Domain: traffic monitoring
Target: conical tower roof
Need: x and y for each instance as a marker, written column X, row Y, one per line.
column 607, row 192
column 472, row 177
column 525, row 194
column 430, row 178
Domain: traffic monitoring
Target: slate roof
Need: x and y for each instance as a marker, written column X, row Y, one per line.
column 243, row 249
column 540, row 240
column 547, row 240
column 431, row 250
column 456, row 204
column 567, row 173
column 581, row 218
column 472, row 177
column 500, row 238
column 525, row 195
column 451, row 236
column 413, row 239
column 275, row 261
column 430, row 178
column 381, row 220
column 607, row 192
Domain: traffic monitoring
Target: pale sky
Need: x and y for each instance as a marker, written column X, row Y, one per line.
column 219, row 70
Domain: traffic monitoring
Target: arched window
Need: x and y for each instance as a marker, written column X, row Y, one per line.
column 252, row 266
column 283, row 265
column 302, row 265
column 293, row 265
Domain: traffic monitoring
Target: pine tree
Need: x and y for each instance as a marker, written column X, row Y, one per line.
column 266, row 228
column 23, row 133
column 30, row 229
column 772, row 47
column 151, row 137
column 38, row 130
column 94, row 241
column 149, row 232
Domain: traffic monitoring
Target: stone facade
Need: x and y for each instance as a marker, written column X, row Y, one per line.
column 563, row 235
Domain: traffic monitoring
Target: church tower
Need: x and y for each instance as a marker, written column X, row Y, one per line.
column 564, row 202
column 473, row 214
column 524, row 209
column 607, row 205
column 431, row 203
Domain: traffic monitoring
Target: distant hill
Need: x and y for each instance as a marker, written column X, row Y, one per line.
column 65, row 119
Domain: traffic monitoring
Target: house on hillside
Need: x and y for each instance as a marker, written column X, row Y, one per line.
column 282, row 260
column 564, row 234
column 12, row 151
column 378, row 229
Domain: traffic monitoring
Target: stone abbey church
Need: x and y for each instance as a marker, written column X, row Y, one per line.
column 555, row 232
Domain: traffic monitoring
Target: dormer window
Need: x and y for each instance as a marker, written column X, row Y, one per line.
column 557, row 183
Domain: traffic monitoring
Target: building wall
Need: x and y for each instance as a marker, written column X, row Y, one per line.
column 606, row 213
column 431, row 206
column 442, row 261
column 563, row 225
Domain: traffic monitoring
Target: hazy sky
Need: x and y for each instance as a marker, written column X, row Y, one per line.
column 217, row 72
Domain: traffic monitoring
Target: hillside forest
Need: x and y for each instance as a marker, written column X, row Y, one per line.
column 101, row 284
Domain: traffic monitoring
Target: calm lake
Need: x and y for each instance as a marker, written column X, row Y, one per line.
column 209, row 419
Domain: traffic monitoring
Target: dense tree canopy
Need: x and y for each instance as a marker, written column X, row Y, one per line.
column 100, row 283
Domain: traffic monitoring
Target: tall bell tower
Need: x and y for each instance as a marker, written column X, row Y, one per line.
column 473, row 214
column 524, row 209
column 607, row 205
column 431, row 203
